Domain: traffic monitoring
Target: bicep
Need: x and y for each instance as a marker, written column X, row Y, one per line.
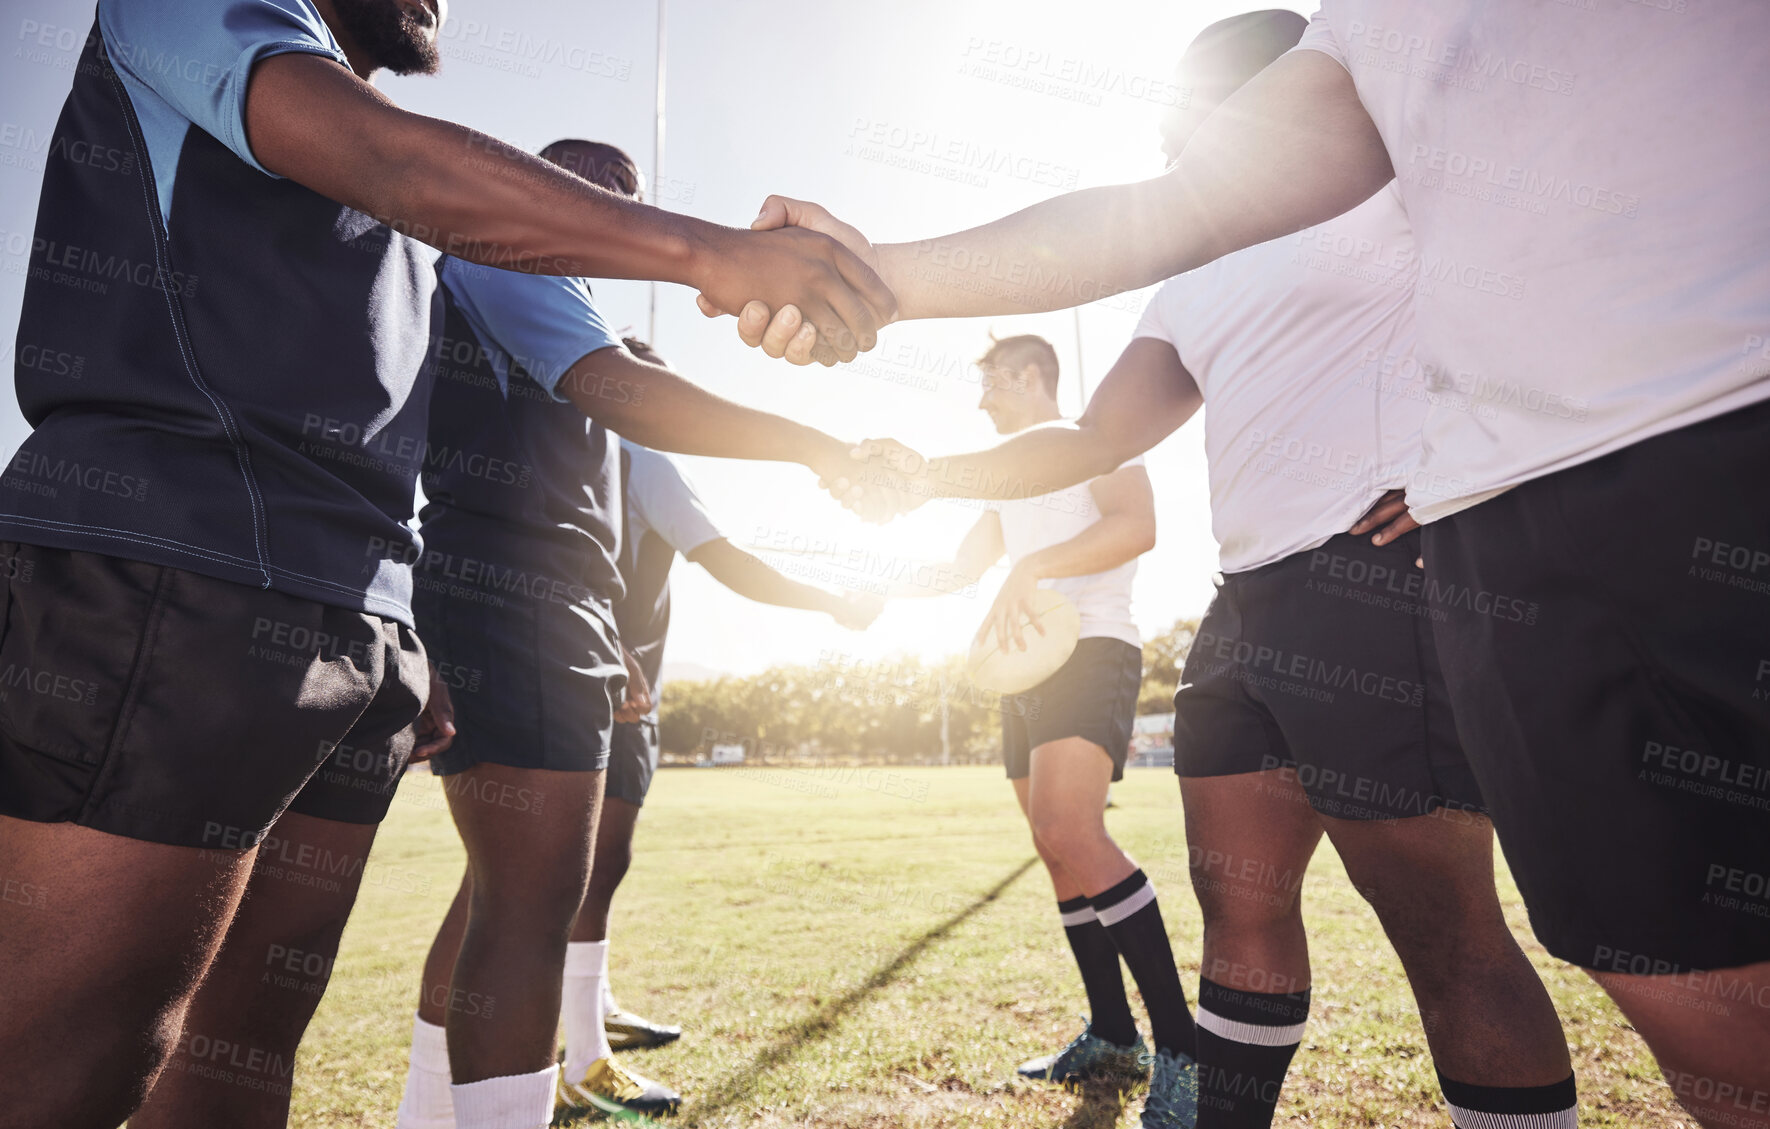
column 1292, row 148
column 1145, row 397
column 314, row 122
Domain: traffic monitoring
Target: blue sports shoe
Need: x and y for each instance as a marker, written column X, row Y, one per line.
column 1089, row 1058
column 1173, row 1092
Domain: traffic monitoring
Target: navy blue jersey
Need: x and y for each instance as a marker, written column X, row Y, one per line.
column 252, row 398
column 522, row 489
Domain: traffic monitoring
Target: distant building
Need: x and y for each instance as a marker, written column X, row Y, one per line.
column 1152, row 741
column 727, row 754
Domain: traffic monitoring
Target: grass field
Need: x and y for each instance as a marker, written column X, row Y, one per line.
column 878, row 948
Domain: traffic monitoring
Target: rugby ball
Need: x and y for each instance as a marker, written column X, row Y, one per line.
column 1014, row 671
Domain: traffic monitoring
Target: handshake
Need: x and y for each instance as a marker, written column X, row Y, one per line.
column 879, row 479
column 847, row 298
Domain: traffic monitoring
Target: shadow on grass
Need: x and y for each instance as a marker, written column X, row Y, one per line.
column 1100, row 1107
column 821, row 1024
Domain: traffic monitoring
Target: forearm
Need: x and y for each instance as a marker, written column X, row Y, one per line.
column 1292, row 148
column 1062, row 252
column 1036, row 461
column 1110, row 542
column 1146, row 396
column 657, row 408
column 491, row 203
column 754, row 579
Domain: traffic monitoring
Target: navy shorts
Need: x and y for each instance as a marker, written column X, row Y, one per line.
column 1092, row 696
column 632, row 761
column 1322, row 663
column 534, row 682
column 1606, row 639
column 157, row 704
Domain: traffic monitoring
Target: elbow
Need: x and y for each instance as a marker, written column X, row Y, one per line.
column 1102, row 452
column 1143, row 535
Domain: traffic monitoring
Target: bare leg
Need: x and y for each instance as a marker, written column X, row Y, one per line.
column 98, row 962
column 613, row 855
column 1062, row 884
column 1711, row 1034
column 434, row 1000
column 1066, row 802
column 1250, row 838
column 236, row 1055
column 1487, row 1016
column 528, row 834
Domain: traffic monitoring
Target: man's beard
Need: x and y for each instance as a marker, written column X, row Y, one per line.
column 391, row 36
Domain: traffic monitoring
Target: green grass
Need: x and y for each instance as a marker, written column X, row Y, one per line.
column 878, row 948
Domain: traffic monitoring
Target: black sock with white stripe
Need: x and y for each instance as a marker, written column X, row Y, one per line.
column 1109, row 1012
column 1511, row 1107
column 1133, row 920
column 1245, row 1044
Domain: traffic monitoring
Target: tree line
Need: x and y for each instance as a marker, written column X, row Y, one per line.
column 902, row 710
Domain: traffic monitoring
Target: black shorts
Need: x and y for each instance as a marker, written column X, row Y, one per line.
column 1320, row 663
column 534, row 682
column 1092, row 696
column 157, row 704
column 632, row 761
column 1607, row 641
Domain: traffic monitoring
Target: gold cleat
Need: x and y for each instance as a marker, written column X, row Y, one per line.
column 607, row 1083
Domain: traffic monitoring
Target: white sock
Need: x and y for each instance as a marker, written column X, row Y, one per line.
column 580, row 1004
column 514, row 1101
column 426, row 1104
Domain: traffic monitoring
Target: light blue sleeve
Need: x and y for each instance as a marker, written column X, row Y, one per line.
column 192, row 59
column 544, row 323
column 666, row 502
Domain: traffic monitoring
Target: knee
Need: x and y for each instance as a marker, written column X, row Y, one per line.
column 1060, row 836
column 542, row 899
column 1229, row 904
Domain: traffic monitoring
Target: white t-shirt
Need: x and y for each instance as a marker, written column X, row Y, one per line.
column 659, row 499
column 1103, row 598
column 1589, row 182
column 1303, row 349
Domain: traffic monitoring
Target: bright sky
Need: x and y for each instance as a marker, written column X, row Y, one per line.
column 908, row 120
